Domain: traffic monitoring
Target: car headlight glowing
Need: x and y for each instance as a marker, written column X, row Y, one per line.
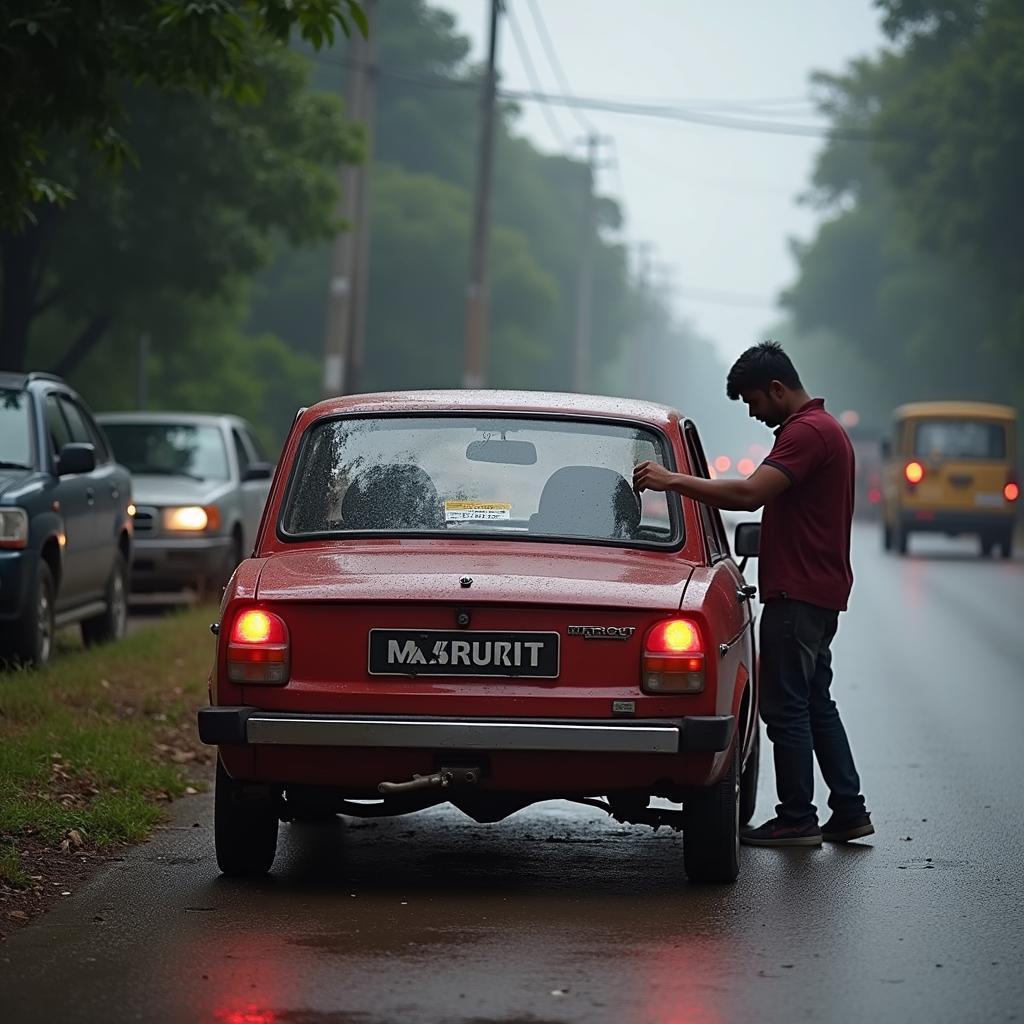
column 13, row 528
column 191, row 518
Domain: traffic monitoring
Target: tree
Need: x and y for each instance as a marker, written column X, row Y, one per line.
column 64, row 66
column 915, row 274
column 427, row 127
column 214, row 179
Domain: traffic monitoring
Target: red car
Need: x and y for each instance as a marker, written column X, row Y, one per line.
column 458, row 597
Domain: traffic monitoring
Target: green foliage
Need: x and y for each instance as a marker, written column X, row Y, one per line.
column 64, row 66
column 426, row 139
column 214, row 181
column 917, row 274
column 90, row 725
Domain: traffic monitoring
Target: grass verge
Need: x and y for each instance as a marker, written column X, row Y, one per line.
column 91, row 750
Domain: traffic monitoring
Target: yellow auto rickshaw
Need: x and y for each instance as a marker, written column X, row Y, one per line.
column 950, row 467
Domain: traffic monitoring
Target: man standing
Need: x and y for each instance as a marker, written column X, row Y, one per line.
column 806, row 487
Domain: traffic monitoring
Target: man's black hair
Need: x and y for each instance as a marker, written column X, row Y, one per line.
column 758, row 367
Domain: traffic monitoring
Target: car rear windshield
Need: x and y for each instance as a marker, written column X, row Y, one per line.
column 960, row 439
column 170, row 449
column 479, row 475
column 15, row 439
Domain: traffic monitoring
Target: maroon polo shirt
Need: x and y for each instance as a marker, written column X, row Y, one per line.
column 805, row 531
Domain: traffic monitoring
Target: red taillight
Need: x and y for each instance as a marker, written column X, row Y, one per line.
column 914, row 472
column 258, row 648
column 673, row 659
column 1011, row 492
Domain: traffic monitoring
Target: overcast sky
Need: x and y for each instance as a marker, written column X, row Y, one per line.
column 718, row 204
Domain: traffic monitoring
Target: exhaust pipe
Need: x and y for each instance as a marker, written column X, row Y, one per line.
column 441, row 779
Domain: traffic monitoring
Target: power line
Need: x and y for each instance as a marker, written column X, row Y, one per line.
column 633, row 108
column 553, row 62
column 531, row 73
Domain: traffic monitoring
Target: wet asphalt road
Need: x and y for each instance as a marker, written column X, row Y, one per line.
column 559, row 914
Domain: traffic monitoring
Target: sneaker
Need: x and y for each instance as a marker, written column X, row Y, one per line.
column 842, row 830
column 776, row 832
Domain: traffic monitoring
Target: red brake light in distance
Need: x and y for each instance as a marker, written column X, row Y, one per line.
column 258, row 648
column 914, row 472
column 673, row 658
column 1011, row 492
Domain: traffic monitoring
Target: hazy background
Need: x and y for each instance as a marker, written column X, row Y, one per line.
column 719, row 204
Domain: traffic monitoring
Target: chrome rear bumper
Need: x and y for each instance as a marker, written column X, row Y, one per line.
column 240, row 725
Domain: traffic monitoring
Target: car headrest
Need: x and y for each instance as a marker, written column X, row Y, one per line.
column 395, row 497
column 587, row 501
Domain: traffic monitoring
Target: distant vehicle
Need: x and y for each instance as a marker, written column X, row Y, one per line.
column 200, row 482
column 867, row 488
column 65, row 528
column 457, row 597
column 950, row 467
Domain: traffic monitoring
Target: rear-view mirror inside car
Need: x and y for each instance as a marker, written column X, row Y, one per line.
column 507, row 453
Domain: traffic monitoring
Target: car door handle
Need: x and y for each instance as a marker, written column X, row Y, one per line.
column 115, row 493
column 90, row 496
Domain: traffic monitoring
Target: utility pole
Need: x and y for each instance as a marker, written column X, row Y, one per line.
column 473, row 374
column 341, row 289
column 361, row 292
column 585, row 282
column 642, row 348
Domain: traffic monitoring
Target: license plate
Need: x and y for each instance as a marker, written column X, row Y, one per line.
column 989, row 500
column 438, row 652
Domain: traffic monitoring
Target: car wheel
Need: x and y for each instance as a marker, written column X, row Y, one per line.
column 244, row 829
column 748, row 780
column 886, row 536
column 211, row 588
column 1006, row 545
column 711, row 828
column 31, row 637
column 112, row 624
column 900, row 536
column 988, row 543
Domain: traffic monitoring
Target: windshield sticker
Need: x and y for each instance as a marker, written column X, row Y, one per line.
column 476, row 511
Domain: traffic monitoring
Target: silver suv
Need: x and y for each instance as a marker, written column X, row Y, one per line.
column 200, row 483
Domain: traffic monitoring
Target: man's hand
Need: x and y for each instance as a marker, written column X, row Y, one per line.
column 652, row 476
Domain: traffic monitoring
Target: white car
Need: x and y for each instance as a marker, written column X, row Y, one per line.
column 200, row 483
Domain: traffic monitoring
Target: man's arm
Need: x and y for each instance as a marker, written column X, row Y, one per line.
column 734, row 495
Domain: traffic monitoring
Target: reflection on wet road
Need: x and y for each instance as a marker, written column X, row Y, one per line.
column 559, row 914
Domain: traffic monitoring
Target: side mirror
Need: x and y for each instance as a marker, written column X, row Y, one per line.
column 886, row 448
column 76, row 458
column 258, row 471
column 747, row 542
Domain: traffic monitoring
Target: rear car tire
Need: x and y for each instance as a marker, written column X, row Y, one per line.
column 31, row 636
column 244, row 829
column 886, row 536
column 113, row 623
column 748, row 780
column 1006, row 545
column 711, row 828
column 988, row 544
column 900, row 536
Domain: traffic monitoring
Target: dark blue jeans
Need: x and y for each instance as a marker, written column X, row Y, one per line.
column 802, row 718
